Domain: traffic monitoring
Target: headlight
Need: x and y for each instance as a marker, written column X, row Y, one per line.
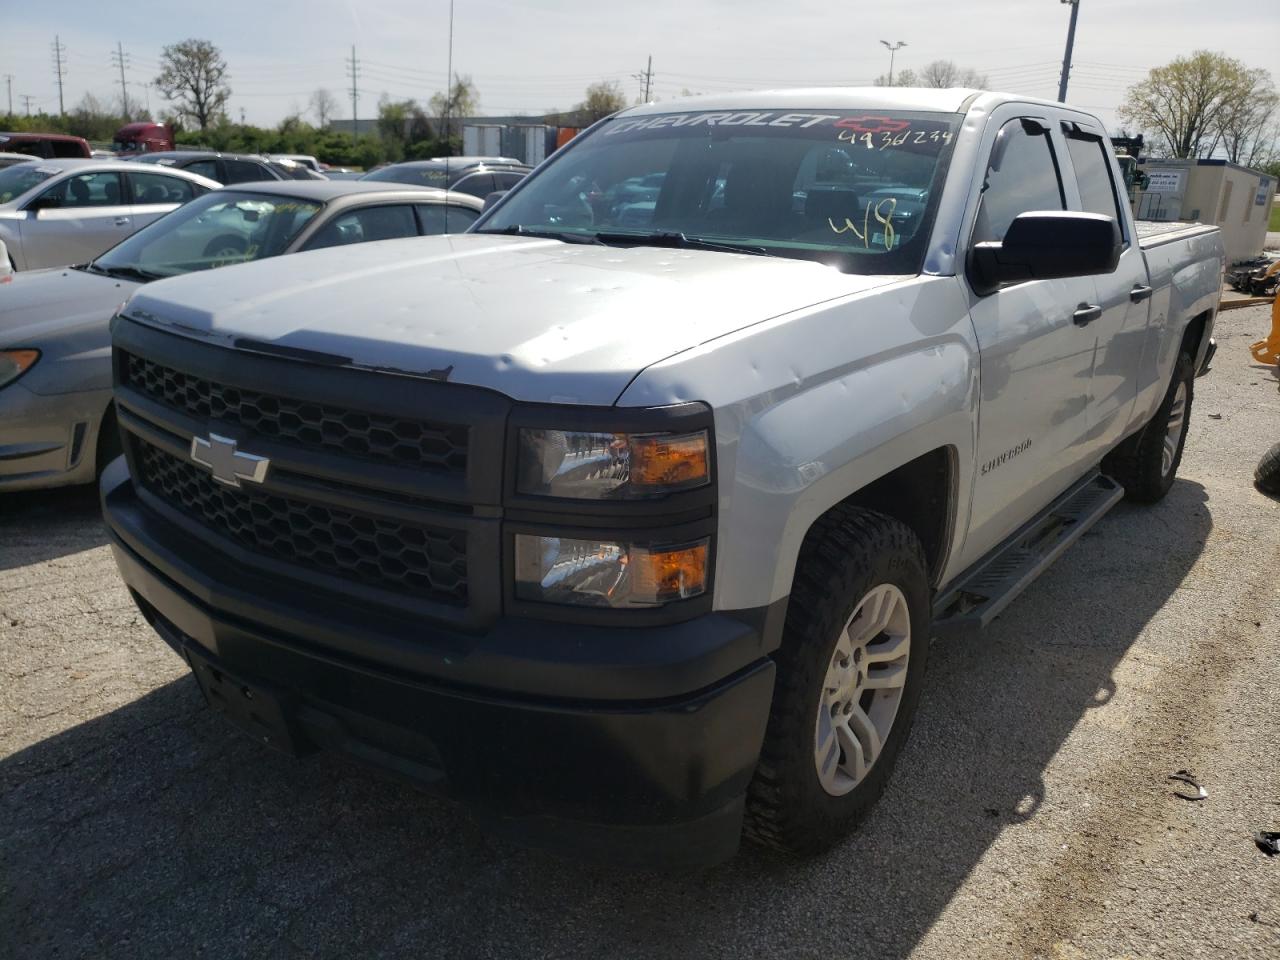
column 601, row 573
column 611, row 466
column 14, row 363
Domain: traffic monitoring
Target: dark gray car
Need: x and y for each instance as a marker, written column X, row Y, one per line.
column 56, row 426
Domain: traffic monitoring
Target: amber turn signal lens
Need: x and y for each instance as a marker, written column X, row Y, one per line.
column 670, row 574
column 664, row 460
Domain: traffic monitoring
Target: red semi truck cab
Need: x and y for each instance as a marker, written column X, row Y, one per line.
column 135, row 138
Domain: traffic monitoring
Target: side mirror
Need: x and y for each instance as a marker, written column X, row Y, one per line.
column 44, row 203
column 1047, row 245
column 491, row 199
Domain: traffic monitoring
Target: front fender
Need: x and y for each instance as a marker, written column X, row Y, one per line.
column 814, row 406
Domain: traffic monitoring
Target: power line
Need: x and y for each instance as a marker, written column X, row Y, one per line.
column 59, row 69
column 119, row 58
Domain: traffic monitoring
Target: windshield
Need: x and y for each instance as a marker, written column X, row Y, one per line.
column 215, row 230
column 850, row 188
column 18, row 179
column 128, row 146
column 417, row 176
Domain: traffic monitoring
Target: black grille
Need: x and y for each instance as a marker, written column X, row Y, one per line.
column 426, row 562
column 370, row 436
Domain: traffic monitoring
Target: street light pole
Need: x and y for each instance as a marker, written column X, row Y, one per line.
column 1066, row 58
column 892, row 48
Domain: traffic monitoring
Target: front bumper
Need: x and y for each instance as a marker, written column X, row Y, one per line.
column 48, row 441
column 631, row 746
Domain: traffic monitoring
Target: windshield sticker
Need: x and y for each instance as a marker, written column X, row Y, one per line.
column 874, row 209
column 873, row 124
column 743, row 119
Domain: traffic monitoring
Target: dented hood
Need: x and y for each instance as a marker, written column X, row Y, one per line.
column 538, row 320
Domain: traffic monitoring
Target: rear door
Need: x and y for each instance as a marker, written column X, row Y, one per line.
column 1036, row 361
column 1125, row 295
column 153, row 194
column 91, row 214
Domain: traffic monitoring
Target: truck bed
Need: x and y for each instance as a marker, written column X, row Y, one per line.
column 1153, row 233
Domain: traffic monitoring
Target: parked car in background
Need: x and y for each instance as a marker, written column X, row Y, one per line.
column 478, row 176
column 226, row 168
column 144, row 137
column 45, row 145
column 54, row 212
column 9, row 159
column 341, row 173
column 311, row 163
column 55, row 427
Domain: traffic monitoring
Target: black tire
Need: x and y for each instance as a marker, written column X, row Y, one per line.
column 849, row 552
column 1138, row 463
column 1267, row 477
column 110, row 445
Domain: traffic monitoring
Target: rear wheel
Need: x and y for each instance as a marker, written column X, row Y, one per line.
column 1147, row 463
column 850, row 672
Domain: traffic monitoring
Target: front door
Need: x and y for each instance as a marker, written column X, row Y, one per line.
column 1036, row 360
column 89, row 216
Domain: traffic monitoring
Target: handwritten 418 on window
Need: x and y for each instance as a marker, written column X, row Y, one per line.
column 882, row 211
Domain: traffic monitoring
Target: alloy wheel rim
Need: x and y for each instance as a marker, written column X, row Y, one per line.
column 862, row 689
column 1173, row 430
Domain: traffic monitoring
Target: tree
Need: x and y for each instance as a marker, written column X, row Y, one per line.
column 903, row 78
column 1189, row 104
column 1244, row 129
column 945, row 73
column 603, row 98
column 463, row 100
column 324, row 105
column 193, row 77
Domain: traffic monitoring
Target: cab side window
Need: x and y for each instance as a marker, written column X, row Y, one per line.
column 204, row 168
column 157, row 188
column 361, row 226
column 1093, row 176
column 1022, row 175
column 445, row 218
column 246, row 171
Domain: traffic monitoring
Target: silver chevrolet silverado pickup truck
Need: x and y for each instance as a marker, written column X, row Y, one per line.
column 628, row 517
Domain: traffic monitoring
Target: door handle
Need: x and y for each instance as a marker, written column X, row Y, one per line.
column 122, row 221
column 1085, row 314
column 1139, row 293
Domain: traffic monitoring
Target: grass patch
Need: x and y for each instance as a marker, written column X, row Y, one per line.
column 1274, row 225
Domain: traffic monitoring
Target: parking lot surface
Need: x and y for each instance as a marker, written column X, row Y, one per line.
column 1030, row 815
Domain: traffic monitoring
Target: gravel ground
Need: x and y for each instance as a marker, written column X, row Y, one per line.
column 1030, row 815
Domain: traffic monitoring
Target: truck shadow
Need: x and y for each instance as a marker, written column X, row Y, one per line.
column 41, row 525
column 158, row 820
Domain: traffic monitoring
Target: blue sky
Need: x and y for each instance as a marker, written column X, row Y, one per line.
column 530, row 57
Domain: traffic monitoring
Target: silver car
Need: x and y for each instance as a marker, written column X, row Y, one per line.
column 56, row 425
column 55, row 212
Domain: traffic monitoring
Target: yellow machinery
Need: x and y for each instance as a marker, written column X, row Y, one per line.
column 1268, row 350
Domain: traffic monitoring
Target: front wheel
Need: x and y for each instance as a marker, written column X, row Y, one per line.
column 1147, row 463
column 850, row 672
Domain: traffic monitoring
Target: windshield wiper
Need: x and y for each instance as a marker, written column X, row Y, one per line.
column 122, row 273
column 676, row 239
column 519, row 230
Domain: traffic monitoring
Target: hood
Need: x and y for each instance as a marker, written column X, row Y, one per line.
column 538, row 320
column 38, row 304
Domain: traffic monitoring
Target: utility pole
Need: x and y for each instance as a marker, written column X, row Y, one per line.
column 353, row 71
column 118, row 59
column 242, row 116
column 646, row 77
column 26, row 102
column 1066, row 59
column 892, row 48
column 448, row 98
column 8, row 78
column 59, row 51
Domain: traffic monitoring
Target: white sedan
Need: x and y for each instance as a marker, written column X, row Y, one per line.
column 58, row 212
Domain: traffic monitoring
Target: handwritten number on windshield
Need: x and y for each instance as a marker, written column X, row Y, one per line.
column 874, row 209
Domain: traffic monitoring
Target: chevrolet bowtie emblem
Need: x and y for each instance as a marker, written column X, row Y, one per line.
column 227, row 464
